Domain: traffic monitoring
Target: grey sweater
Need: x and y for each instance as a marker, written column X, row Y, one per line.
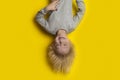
column 62, row 18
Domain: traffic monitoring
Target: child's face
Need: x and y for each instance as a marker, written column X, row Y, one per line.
column 62, row 45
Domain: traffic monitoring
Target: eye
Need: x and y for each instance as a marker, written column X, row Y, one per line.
column 56, row 44
column 65, row 44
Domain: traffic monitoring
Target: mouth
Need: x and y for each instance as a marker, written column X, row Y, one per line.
column 62, row 38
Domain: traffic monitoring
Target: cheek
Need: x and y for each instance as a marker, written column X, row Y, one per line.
column 67, row 40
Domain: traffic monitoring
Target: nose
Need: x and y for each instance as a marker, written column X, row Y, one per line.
column 62, row 39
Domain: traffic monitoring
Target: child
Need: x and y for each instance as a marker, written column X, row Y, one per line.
column 60, row 23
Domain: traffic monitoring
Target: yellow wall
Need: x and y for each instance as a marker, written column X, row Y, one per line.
column 23, row 45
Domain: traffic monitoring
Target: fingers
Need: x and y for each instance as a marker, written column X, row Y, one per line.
column 57, row 1
column 56, row 6
column 53, row 5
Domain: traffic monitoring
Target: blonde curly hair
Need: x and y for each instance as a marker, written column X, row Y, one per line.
column 60, row 63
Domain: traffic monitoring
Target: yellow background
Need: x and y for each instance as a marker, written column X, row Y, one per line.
column 23, row 45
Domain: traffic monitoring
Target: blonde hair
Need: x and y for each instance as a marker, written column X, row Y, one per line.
column 60, row 63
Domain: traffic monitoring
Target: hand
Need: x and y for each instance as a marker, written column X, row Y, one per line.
column 52, row 6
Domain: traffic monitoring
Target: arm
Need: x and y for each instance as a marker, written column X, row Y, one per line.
column 40, row 18
column 80, row 13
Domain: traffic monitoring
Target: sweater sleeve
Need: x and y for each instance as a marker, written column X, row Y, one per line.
column 40, row 18
column 81, row 10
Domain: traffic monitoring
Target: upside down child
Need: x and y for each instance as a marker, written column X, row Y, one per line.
column 60, row 23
